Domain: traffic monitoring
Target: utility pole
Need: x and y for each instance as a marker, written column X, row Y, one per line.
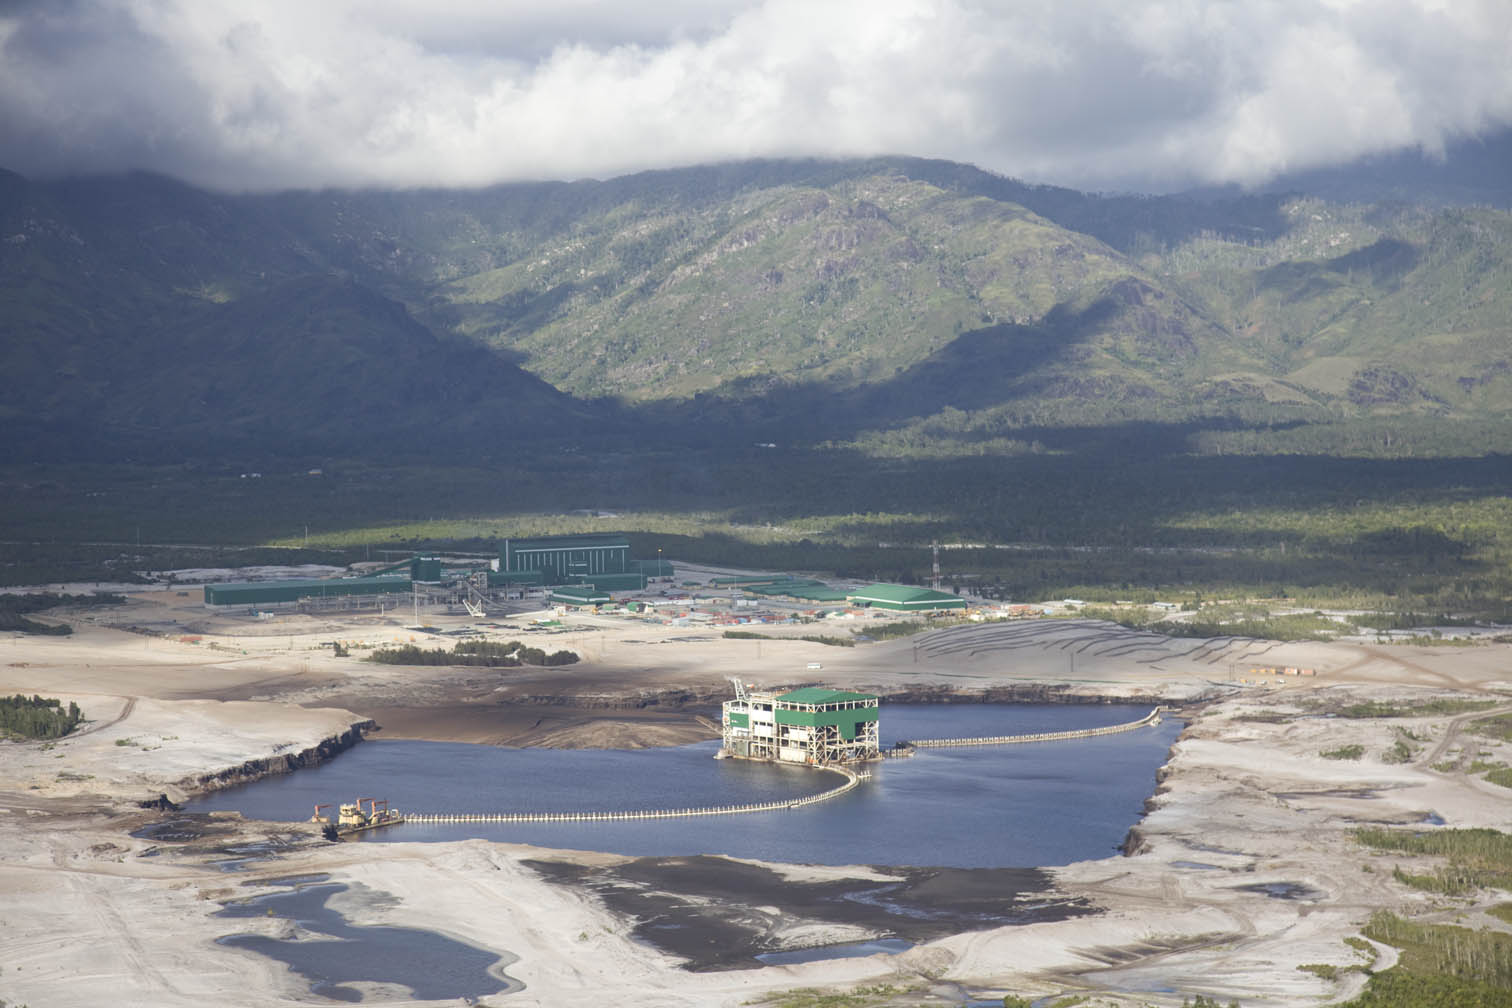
column 936, row 584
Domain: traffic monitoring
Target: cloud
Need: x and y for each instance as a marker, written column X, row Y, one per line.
column 1097, row 93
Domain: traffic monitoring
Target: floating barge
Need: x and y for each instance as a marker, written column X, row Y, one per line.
column 353, row 818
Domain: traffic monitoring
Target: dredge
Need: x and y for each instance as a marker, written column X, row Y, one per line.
column 353, row 818
column 813, row 726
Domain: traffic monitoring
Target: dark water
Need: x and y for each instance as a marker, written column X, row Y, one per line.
column 434, row 967
column 1040, row 804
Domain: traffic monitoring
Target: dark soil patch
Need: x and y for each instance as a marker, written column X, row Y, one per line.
column 718, row 913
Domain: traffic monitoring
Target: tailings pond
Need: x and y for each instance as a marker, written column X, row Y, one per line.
column 1035, row 804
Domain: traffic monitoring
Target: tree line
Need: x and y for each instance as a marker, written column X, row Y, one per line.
column 487, row 654
column 37, row 717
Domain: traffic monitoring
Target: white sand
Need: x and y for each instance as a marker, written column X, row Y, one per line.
column 86, row 919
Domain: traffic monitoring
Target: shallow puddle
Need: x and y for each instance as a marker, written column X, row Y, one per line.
column 433, row 966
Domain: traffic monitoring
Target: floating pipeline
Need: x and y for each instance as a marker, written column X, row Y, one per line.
column 852, row 779
column 1152, row 718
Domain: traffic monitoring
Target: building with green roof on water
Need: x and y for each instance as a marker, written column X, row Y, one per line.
column 813, row 725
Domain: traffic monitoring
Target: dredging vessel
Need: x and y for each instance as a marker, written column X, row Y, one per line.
column 352, row 818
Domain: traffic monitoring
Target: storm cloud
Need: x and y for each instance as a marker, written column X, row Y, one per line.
column 1095, row 93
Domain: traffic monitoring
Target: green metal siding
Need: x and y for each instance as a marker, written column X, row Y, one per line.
column 617, row 582
column 425, row 569
column 740, row 720
column 497, row 578
column 847, row 720
column 567, row 556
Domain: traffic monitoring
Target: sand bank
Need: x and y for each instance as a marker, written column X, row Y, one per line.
column 1242, row 870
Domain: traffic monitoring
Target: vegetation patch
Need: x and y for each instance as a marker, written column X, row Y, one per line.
column 1478, row 858
column 488, row 654
column 899, row 628
column 1402, row 750
column 811, row 638
column 813, row 997
column 1499, row 727
column 1438, row 707
column 1501, row 777
column 37, row 717
column 1227, row 621
column 1364, row 949
column 1407, row 620
column 1439, row 965
column 1267, row 717
column 1349, row 752
column 14, row 610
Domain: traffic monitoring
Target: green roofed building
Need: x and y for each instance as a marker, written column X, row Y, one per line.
column 275, row 592
column 813, row 725
column 904, row 598
column 579, row 595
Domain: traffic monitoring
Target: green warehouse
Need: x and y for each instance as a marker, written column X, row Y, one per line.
column 902, row 598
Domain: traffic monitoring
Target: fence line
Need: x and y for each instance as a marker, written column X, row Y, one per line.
column 852, row 778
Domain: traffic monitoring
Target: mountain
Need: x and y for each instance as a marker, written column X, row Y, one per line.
column 810, row 300
column 141, row 315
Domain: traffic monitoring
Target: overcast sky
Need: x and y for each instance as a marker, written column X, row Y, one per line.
column 1102, row 94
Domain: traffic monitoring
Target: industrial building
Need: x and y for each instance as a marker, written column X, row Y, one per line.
column 582, row 596
column 395, row 579
column 813, row 726
column 276, row 592
column 903, row 598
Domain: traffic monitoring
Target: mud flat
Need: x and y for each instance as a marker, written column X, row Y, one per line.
column 1243, row 869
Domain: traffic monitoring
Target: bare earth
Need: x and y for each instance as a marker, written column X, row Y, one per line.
column 1242, row 870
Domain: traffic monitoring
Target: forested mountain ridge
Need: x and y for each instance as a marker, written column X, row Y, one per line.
column 822, row 299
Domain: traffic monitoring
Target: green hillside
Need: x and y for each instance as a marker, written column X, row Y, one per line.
column 881, row 304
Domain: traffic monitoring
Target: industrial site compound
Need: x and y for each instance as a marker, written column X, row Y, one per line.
column 574, row 571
